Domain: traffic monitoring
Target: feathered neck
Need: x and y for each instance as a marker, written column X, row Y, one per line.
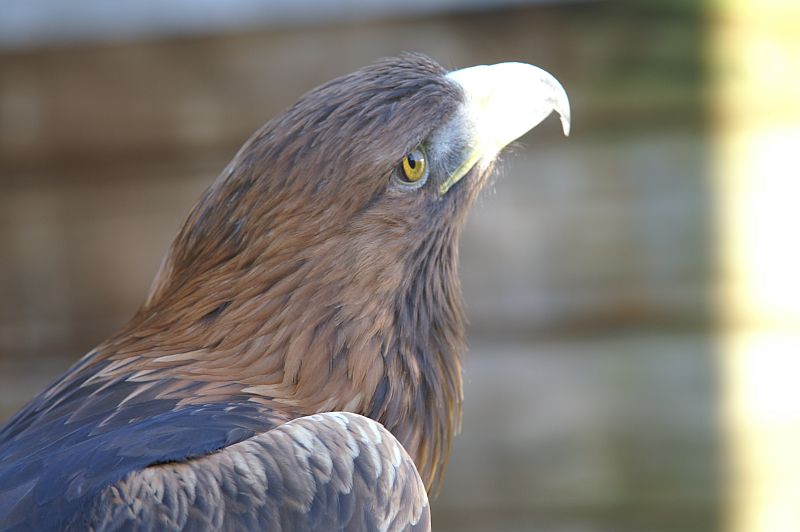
column 328, row 326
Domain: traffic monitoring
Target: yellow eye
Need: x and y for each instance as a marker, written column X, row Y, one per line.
column 414, row 165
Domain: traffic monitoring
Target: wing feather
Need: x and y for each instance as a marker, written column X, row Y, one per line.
column 333, row 471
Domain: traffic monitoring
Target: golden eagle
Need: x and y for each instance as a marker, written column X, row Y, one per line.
column 296, row 364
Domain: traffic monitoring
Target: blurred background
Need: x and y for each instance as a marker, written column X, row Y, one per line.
column 631, row 290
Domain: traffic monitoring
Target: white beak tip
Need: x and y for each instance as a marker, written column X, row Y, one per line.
column 565, row 124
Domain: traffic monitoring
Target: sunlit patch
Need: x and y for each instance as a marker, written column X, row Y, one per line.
column 757, row 180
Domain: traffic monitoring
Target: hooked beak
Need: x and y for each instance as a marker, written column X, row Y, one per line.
column 503, row 102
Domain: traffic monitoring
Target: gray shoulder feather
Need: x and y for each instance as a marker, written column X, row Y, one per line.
column 332, row 471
